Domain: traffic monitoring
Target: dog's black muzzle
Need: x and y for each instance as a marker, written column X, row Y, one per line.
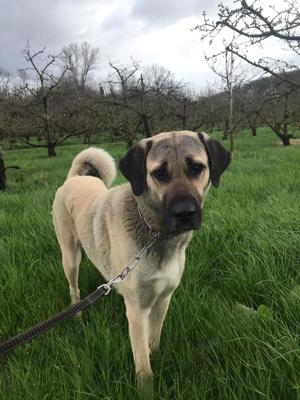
column 183, row 213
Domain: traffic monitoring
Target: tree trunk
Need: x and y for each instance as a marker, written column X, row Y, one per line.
column 129, row 143
column 87, row 139
column 2, row 175
column 185, row 116
column 51, row 149
column 184, row 122
column 226, row 130
column 286, row 118
column 146, row 126
column 285, row 139
column 231, row 148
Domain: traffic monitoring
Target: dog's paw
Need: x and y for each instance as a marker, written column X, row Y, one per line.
column 145, row 386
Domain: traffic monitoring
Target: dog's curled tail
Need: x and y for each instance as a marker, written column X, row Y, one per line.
column 94, row 162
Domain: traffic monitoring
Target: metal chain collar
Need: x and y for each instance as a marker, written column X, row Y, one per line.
column 153, row 236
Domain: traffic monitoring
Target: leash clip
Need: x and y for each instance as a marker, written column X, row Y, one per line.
column 105, row 286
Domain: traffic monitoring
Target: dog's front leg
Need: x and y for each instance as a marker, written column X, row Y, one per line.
column 138, row 320
column 156, row 320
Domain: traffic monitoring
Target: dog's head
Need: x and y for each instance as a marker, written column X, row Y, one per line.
column 173, row 172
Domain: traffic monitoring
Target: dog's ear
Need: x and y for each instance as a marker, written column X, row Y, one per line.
column 133, row 167
column 218, row 158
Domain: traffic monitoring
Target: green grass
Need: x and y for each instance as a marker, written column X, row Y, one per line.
column 233, row 328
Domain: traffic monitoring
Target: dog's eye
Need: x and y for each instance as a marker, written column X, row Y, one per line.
column 161, row 175
column 196, row 169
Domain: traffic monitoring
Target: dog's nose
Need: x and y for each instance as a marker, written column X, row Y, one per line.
column 183, row 211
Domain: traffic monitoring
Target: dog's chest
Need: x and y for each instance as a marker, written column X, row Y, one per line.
column 160, row 283
column 168, row 276
column 167, row 266
column 162, row 280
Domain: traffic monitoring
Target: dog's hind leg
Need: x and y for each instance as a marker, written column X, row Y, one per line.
column 71, row 253
column 71, row 257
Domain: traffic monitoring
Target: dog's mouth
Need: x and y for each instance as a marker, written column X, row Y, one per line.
column 181, row 228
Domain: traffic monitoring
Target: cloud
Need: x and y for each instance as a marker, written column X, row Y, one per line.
column 42, row 23
column 151, row 32
column 162, row 12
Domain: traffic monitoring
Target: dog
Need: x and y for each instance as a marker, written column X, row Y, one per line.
column 169, row 176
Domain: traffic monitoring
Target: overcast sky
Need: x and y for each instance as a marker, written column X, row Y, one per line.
column 149, row 31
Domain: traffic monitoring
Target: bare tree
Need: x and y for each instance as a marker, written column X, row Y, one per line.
column 191, row 110
column 224, row 65
column 135, row 92
column 80, row 60
column 171, row 99
column 253, row 25
column 181, row 105
column 3, row 170
column 37, row 100
column 4, row 127
column 124, row 98
column 280, row 110
column 251, row 106
column 3, row 95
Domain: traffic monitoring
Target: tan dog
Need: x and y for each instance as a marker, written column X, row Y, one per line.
column 169, row 177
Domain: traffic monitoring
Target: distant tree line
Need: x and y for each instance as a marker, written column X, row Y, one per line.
column 55, row 98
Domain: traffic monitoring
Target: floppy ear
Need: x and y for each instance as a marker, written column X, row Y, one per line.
column 133, row 167
column 218, row 158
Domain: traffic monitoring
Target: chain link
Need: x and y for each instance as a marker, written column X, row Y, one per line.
column 153, row 236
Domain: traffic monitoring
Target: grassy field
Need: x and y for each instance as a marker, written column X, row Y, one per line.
column 233, row 328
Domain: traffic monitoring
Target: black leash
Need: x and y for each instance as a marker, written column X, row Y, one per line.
column 42, row 327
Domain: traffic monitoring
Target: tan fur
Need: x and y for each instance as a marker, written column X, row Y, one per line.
column 101, row 160
column 106, row 224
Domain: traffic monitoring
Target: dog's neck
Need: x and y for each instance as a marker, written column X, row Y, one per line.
column 132, row 218
column 150, row 217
